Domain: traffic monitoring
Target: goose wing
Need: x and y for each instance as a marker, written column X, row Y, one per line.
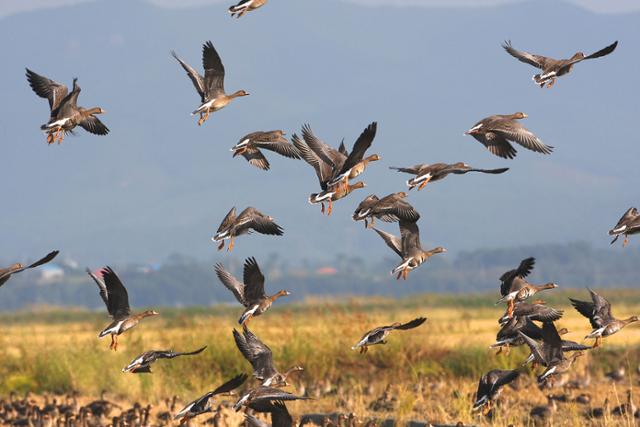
column 537, row 61
column 93, row 125
column 394, row 242
column 256, row 352
column 231, row 283
column 213, row 71
column 254, row 281
column 360, row 147
column 196, row 78
column 117, row 296
column 46, row 88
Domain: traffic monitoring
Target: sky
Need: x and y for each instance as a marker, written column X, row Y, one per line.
column 425, row 70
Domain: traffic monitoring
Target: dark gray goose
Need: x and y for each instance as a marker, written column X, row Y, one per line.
column 250, row 145
column 211, row 86
column 203, row 404
column 6, row 273
column 408, row 247
column 379, row 335
column 261, row 359
column 490, row 386
column 250, row 292
column 549, row 353
column 65, row 113
column 142, row 363
column 598, row 311
column 249, row 220
column 496, row 132
column 553, row 68
column 391, row 208
column 116, row 298
column 425, row 173
column 627, row 225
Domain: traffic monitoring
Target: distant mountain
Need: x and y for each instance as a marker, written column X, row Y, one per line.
column 159, row 184
column 184, row 281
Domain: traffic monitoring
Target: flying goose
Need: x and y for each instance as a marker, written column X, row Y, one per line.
column 261, row 359
column 496, row 132
column 6, row 273
column 598, row 311
column 65, row 113
column 142, row 363
column 250, row 292
column 249, row 220
column 549, row 353
column 391, row 208
column 553, row 68
column 211, row 86
column 203, row 404
column 490, row 386
column 515, row 288
column 627, row 225
column 115, row 297
column 250, row 145
column 378, row 335
column 245, row 6
column 408, row 247
column 425, row 173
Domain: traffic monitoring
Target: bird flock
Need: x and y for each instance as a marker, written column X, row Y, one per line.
column 336, row 168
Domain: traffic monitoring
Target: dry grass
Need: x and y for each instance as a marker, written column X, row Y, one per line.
column 433, row 370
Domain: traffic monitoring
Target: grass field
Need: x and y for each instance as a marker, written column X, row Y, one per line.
column 432, row 371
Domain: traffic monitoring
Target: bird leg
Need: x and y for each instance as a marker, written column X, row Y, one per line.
column 370, row 225
column 112, row 341
column 230, row 247
column 50, row 138
column 425, row 182
column 330, row 208
column 322, row 210
column 246, row 321
column 115, row 346
column 499, row 350
column 551, row 83
column 405, row 273
column 625, row 242
column 510, row 309
column 487, row 409
column 597, row 343
column 221, row 245
column 60, row 137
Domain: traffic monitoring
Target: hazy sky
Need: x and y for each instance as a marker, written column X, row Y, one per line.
column 160, row 184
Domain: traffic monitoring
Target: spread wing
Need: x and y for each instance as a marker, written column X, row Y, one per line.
column 228, row 220
column 230, row 385
column 518, row 133
column 602, row 52
column 412, row 324
column 102, row 288
column 323, row 169
column 361, row 145
column 231, row 283
column 412, row 169
column 535, row 348
column 94, row 125
column 117, row 297
column 394, row 242
column 497, row 144
column 213, row 71
column 256, row 352
column 410, row 234
column 254, row 281
column 333, row 158
column 552, row 342
column 46, row 88
column 196, row 78
column 254, row 219
column 256, row 158
column 526, row 57
column 523, row 270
